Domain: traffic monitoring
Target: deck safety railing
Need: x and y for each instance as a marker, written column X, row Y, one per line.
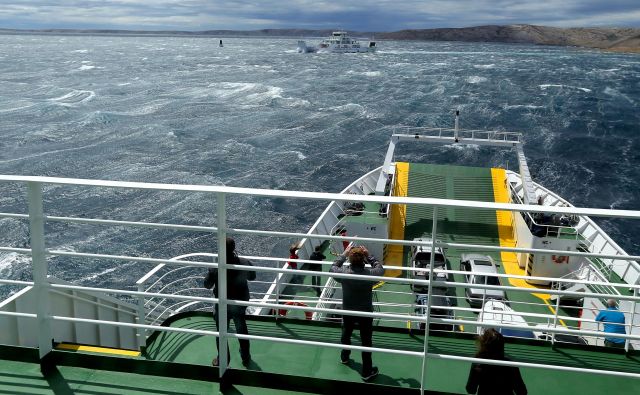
column 477, row 134
column 43, row 287
column 553, row 317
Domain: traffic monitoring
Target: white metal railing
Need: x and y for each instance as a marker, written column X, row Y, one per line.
column 478, row 134
column 43, row 287
column 595, row 239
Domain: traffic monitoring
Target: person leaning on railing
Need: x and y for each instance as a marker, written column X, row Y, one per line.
column 487, row 379
column 613, row 321
column 357, row 295
column 237, row 289
column 316, row 255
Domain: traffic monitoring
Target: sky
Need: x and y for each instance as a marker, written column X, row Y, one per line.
column 358, row 15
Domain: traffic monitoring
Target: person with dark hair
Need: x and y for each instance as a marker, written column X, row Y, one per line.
column 316, row 255
column 487, row 379
column 357, row 295
column 613, row 320
column 237, row 289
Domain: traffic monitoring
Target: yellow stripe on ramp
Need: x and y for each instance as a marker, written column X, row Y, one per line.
column 506, row 233
column 398, row 213
column 553, row 311
column 102, row 350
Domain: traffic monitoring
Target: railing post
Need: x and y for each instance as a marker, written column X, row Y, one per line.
column 633, row 313
column 555, row 316
column 275, row 313
column 39, row 262
column 222, row 284
column 429, row 289
column 142, row 333
column 484, row 291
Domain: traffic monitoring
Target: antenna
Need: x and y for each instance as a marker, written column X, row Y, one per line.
column 455, row 130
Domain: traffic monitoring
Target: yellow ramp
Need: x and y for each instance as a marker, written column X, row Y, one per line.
column 507, row 234
column 102, row 350
column 397, row 213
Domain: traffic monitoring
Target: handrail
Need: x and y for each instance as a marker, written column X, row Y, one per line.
column 44, row 287
column 340, row 311
column 358, row 313
column 608, row 241
column 613, row 213
column 173, row 282
column 153, row 271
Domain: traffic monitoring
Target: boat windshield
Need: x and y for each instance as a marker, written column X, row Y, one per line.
column 491, row 280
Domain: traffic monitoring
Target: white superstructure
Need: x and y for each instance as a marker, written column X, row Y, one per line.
column 338, row 42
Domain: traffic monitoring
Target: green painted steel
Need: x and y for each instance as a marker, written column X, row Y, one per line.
column 396, row 370
column 26, row 378
column 461, row 225
column 452, row 182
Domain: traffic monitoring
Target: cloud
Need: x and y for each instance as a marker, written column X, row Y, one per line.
column 363, row 15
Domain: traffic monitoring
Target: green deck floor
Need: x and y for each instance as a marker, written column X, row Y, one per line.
column 400, row 371
column 456, row 225
column 461, row 225
column 26, row 378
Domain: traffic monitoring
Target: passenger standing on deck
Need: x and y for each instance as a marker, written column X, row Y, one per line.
column 316, row 255
column 345, row 243
column 237, row 289
column 613, row 321
column 357, row 295
column 486, row 379
column 293, row 254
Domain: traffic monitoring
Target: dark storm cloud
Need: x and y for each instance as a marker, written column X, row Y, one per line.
column 372, row 15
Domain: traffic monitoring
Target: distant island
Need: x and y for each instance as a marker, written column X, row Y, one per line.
column 610, row 39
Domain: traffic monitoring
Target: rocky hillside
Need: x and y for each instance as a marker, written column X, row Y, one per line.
column 625, row 39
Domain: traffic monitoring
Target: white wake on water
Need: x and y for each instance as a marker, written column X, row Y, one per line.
column 11, row 260
column 616, row 93
column 475, row 79
column 365, row 73
column 74, row 98
column 484, row 66
column 94, row 276
column 546, row 86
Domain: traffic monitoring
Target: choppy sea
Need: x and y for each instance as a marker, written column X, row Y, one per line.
column 257, row 114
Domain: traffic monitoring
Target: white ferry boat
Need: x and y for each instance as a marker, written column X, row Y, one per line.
column 338, row 42
column 449, row 236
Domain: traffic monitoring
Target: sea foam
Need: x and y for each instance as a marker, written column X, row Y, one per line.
column 546, row 86
column 74, row 98
column 475, row 79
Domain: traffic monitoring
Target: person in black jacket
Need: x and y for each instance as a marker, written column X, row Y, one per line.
column 357, row 295
column 316, row 255
column 237, row 289
column 486, row 379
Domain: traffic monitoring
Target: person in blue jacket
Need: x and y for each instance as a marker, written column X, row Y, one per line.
column 613, row 321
